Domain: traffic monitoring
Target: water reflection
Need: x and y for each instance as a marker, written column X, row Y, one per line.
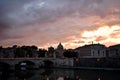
column 24, row 74
column 60, row 78
column 4, row 75
column 61, row 74
column 98, row 78
column 4, row 71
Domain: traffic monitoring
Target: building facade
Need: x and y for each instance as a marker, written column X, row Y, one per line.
column 51, row 51
column 59, row 50
column 91, row 51
column 114, row 51
column 7, row 53
column 56, row 52
column 98, row 50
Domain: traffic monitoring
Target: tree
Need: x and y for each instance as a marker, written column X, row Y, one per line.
column 70, row 54
column 1, row 48
column 14, row 46
column 30, row 50
column 19, row 52
column 42, row 52
column 34, row 47
column 48, row 63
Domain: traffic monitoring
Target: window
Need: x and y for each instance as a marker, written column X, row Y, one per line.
column 93, row 53
column 103, row 53
column 116, row 52
column 98, row 53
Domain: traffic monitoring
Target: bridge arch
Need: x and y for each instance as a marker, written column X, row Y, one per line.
column 48, row 63
column 4, row 66
column 37, row 62
column 26, row 64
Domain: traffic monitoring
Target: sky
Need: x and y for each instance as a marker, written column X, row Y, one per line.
column 45, row 23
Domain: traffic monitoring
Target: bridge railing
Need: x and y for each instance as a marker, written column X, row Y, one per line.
column 23, row 58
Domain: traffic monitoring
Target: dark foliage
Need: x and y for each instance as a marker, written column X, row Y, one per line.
column 48, row 63
column 70, row 54
column 42, row 52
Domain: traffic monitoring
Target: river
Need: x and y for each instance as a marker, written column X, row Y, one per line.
column 60, row 74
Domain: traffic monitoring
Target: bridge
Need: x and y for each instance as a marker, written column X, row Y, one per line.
column 38, row 61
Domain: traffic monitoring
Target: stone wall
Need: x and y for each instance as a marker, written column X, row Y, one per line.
column 97, row 62
column 64, row 62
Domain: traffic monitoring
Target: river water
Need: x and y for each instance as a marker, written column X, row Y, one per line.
column 60, row 74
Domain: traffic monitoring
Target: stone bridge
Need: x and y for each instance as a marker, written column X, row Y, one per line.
column 13, row 61
column 38, row 61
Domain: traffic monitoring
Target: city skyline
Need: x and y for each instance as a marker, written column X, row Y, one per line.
column 45, row 23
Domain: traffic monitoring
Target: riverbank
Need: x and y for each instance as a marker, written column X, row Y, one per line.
column 86, row 68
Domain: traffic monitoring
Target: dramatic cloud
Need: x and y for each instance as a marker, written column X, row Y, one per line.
column 47, row 22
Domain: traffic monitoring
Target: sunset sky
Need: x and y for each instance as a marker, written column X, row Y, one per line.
column 45, row 23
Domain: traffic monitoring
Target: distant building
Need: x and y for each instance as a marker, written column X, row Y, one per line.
column 98, row 50
column 51, row 51
column 59, row 50
column 91, row 51
column 7, row 53
column 114, row 51
column 1, row 53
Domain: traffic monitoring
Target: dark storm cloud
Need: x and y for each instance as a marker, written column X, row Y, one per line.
column 29, row 11
column 6, row 7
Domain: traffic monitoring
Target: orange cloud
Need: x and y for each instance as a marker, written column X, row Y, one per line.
column 105, row 34
column 100, row 38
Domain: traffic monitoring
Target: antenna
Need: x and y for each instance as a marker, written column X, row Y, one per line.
column 92, row 42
